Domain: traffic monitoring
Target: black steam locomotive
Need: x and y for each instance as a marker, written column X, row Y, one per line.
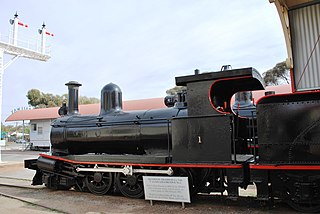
column 218, row 146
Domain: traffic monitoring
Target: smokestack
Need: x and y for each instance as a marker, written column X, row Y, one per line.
column 73, row 99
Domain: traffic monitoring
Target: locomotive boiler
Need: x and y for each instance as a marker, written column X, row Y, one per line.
column 202, row 136
column 113, row 131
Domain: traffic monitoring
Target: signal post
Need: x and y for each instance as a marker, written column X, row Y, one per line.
column 12, row 47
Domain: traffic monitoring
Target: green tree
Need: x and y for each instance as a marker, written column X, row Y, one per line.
column 38, row 99
column 34, row 97
column 19, row 128
column 88, row 100
column 175, row 90
column 7, row 128
column 278, row 75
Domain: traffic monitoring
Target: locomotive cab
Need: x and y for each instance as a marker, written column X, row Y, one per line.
column 211, row 121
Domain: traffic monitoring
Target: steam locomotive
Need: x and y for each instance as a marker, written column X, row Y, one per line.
column 273, row 144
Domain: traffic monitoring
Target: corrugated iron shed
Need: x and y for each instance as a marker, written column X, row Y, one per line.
column 300, row 21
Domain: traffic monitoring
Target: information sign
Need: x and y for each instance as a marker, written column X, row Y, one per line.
column 163, row 188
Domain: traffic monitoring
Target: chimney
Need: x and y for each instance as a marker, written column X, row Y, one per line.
column 73, row 99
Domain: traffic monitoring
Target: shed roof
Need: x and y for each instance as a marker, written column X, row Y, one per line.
column 295, row 3
column 52, row 113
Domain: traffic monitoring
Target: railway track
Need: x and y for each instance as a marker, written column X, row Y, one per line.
column 24, row 200
column 16, row 182
column 12, row 178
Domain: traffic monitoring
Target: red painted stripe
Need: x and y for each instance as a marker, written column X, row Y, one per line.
column 285, row 167
column 218, row 166
column 288, row 94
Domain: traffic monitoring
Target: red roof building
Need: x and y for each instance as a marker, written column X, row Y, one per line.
column 143, row 104
column 52, row 113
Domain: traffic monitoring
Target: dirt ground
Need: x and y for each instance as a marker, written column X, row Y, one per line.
column 77, row 202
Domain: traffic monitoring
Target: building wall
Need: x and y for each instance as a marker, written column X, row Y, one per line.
column 40, row 133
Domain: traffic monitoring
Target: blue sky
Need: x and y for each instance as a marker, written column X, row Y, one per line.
column 140, row 45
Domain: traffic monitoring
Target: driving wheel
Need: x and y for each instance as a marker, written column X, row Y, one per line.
column 99, row 183
column 130, row 185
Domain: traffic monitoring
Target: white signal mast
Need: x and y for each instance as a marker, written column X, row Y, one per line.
column 14, row 47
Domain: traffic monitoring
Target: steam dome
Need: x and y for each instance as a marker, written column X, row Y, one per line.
column 111, row 99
